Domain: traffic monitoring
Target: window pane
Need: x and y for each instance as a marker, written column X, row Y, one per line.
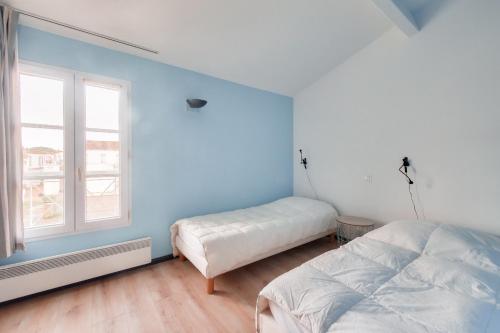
column 42, row 150
column 102, row 198
column 102, row 106
column 102, row 152
column 41, row 100
column 43, row 202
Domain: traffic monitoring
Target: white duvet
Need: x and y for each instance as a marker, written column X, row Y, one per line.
column 228, row 240
column 407, row 276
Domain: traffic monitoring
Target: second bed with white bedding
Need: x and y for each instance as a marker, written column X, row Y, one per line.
column 218, row 243
column 404, row 277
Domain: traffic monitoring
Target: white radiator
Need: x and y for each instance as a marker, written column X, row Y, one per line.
column 33, row 276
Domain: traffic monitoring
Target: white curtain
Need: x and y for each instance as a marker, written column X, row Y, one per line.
column 11, row 226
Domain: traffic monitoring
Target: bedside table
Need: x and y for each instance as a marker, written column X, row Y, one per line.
column 350, row 227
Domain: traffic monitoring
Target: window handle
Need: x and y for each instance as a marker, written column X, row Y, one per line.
column 79, row 174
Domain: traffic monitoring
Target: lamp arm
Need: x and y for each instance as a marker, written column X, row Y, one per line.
column 405, row 174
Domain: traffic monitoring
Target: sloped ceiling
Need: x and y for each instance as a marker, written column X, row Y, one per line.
column 276, row 45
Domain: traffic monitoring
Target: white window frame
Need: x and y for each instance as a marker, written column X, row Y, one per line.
column 80, row 129
column 74, row 151
column 68, row 98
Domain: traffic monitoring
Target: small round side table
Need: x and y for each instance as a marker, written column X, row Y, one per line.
column 350, row 227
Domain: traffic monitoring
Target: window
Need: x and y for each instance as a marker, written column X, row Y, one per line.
column 75, row 151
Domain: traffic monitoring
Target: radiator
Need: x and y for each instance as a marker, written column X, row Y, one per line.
column 34, row 276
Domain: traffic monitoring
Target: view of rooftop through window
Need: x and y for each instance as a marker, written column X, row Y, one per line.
column 102, row 152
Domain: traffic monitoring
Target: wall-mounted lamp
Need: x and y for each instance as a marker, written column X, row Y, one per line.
column 405, row 165
column 303, row 160
column 404, row 170
column 195, row 103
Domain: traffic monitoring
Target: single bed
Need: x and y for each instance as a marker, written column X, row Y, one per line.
column 408, row 276
column 218, row 243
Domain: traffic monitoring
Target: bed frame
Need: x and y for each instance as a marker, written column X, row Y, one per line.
column 210, row 282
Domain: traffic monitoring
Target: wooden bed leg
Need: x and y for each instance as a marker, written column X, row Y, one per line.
column 210, row 286
column 182, row 257
column 333, row 237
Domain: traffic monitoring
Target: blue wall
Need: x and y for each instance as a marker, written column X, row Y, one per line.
column 235, row 153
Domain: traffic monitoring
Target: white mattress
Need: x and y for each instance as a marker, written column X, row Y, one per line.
column 407, row 276
column 191, row 240
column 231, row 239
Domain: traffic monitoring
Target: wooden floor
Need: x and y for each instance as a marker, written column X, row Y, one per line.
column 166, row 297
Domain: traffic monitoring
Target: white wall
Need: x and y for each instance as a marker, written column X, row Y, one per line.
column 434, row 97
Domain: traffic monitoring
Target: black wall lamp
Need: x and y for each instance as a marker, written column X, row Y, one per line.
column 405, row 165
column 195, row 103
column 404, row 170
column 303, row 160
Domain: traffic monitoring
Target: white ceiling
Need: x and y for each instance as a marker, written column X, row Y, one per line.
column 276, row 45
